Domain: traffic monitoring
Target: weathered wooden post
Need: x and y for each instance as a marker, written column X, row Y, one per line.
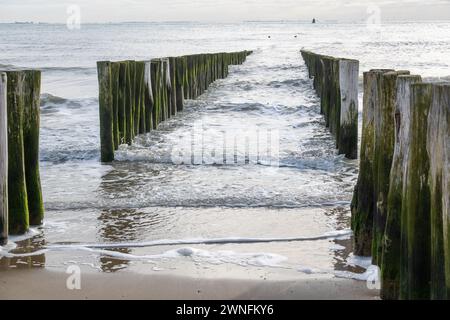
column 334, row 112
column 348, row 131
column 363, row 203
column 179, row 82
column 17, row 190
column 173, row 86
column 166, row 83
column 156, row 84
column 122, row 101
column 438, row 150
column 391, row 264
column 106, row 111
column 383, row 154
column 139, row 82
column 115, row 92
column 148, row 96
column 323, row 80
column 3, row 161
column 31, row 125
column 130, row 107
column 415, row 283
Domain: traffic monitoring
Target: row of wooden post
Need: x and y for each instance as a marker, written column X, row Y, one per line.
column 401, row 204
column 136, row 96
column 21, row 202
column 336, row 82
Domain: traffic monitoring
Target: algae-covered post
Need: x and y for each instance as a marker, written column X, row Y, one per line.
column 148, row 96
column 415, row 281
column 384, row 138
column 116, row 93
column 348, row 131
column 106, row 111
column 31, row 124
column 438, row 149
column 180, row 73
column 18, row 219
column 173, row 86
column 391, row 256
column 3, row 161
column 363, row 202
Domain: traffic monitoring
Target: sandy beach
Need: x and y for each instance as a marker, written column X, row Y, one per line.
column 49, row 285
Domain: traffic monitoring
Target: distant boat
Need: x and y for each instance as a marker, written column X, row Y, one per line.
column 314, row 20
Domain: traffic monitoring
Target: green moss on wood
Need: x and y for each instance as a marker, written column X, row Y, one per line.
column 122, row 102
column 391, row 253
column 416, row 276
column 17, row 190
column 129, row 107
column 115, row 92
column 437, row 146
column 383, row 155
column 31, row 124
column 106, row 111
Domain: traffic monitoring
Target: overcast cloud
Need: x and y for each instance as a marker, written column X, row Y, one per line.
column 221, row 10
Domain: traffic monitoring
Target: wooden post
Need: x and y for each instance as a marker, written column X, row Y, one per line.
column 348, row 131
column 122, row 102
column 139, row 82
column 173, row 86
column 166, row 84
column 415, row 283
column 116, row 94
column 383, row 153
column 363, row 202
column 438, row 150
column 179, row 82
column 156, row 85
column 139, row 115
column 391, row 258
column 31, row 125
column 129, row 107
column 3, row 161
column 106, row 111
column 17, row 190
column 148, row 93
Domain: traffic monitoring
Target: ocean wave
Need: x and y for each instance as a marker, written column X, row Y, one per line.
column 290, row 82
column 48, row 101
column 69, row 154
column 70, row 69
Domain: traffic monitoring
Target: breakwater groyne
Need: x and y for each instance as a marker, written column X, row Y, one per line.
column 336, row 83
column 136, row 96
column 21, row 202
column 401, row 203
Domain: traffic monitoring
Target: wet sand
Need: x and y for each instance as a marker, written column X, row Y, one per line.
column 43, row 284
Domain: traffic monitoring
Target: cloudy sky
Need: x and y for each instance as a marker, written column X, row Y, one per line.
column 221, row 10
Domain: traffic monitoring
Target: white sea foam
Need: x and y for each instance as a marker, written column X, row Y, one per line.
column 363, row 262
column 371, row 273
column 32, row 232
column 339, row 234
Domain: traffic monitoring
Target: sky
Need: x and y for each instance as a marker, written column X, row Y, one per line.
column 58, row 11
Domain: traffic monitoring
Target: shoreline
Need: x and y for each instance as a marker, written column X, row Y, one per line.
column 49, row 285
